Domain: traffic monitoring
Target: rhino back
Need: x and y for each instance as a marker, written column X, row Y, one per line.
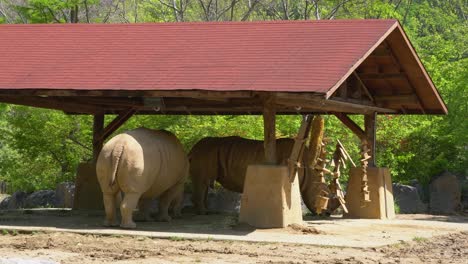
column 152, row 161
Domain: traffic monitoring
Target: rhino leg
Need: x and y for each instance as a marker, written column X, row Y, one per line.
column 144, row 206
column 178, row 200
column 200, row 190
column 109, row 200
column 127, row 207
column 171, row 196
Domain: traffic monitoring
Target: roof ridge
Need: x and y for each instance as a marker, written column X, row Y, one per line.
column 259, row 22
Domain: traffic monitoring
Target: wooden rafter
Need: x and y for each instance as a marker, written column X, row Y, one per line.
column 116, row 123
column 363, row 87
column 355, row 128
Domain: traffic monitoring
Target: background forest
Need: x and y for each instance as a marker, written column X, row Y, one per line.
column 39, row 148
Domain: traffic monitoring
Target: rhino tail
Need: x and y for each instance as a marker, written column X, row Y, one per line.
column 116, row 156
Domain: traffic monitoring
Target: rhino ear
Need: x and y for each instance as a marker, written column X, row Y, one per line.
column 315, row 139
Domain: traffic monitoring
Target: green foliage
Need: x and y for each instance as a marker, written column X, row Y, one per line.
column 397, row 207
column 41, row 147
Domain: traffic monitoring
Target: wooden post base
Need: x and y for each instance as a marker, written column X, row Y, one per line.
column 88, row 194
column 381, row 195
column 269, row 199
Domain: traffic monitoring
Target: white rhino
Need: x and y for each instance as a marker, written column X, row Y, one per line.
column 142, row 163
column 225, row 160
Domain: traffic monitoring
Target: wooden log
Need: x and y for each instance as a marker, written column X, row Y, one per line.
column 269, row 126
column 98, row 129
column 370, row 129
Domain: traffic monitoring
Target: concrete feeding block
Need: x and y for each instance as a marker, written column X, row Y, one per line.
column 88, row 194
column 381, row 195
column 269, row 199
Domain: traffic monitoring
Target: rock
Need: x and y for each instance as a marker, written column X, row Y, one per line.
column 65, row 194
column 4, row 197
column 407, row 198
column 464, row 193
column 15, row 201
column 423, row 192
column 445, row 194
column 43, row 198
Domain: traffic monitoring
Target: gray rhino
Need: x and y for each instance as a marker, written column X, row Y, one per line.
column 225, row 160
column 143, row 164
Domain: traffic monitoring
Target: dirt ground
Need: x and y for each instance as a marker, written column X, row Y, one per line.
column 76, row 248
column 49, row 236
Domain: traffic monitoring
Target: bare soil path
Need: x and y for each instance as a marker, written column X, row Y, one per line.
column 76, row 248
column 60, row 236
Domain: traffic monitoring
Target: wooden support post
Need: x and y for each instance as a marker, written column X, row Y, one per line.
column 269, row 126
column 98, row 130
column 370, row 129
column 116, row 123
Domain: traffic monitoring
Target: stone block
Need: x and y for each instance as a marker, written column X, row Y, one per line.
column 445, row 194
column 64, row 194
column 269, row 199
column 381, row 195
column 407, row 198
column 88, row 194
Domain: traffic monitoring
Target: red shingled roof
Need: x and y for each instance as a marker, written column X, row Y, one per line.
column 295, row 56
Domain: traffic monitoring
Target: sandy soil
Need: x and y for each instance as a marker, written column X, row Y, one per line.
column 76, row 248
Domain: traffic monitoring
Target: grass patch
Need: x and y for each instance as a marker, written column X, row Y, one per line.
column 397, row 208
column 419, row 239
column 176, row 238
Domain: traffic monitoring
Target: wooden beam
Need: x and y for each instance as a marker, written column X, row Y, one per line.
column 51, row 103
column 363, row 87
column 116, row 123
column 269, row 126
column 412, row 98
column 387, row 76
column 355, row 128
column 330, row 105
column 98, row 129
column 370, row 129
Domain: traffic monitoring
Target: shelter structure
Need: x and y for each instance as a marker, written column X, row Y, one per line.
column 337, row 67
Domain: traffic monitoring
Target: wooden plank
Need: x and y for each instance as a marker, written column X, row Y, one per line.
column 355, row 128
column 397, row 98
column 98, row 129
column 370, row 129
column 378, row 76
column 269, row 126
column 298, row 147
